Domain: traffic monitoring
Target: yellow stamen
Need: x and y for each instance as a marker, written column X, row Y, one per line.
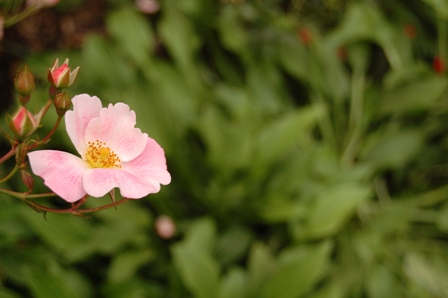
column 100, row 156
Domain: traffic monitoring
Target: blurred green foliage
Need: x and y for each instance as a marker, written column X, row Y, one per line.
column 307, row 144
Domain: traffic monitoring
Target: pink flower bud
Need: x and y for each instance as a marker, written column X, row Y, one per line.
column 22, row 124
column 165, row 227
column 148, row 6
column 60, row 76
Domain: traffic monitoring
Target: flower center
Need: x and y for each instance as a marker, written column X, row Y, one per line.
column 100, row 156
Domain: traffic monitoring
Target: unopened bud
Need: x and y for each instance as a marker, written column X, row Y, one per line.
column 60, row 76
column 63, row 103
column 20, row 155
column 24, row 83
column 22, row 124
column 27, row 179
column 165, row 227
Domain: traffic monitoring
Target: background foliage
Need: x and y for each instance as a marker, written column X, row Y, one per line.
column 307, row 144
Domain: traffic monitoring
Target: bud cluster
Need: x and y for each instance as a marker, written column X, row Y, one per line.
column 23, row 124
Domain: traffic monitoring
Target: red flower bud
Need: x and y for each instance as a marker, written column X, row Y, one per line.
column 410, row 31
column 60, row 76
column 439, row 65
column 305, row 35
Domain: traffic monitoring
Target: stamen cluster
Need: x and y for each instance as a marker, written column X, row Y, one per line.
column 100, row 156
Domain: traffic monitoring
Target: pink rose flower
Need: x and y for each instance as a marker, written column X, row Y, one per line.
column 113, row 154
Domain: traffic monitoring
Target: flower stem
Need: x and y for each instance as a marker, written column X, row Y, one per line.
column 8, row 155
column 25, row 196
column 74, row 209
column 47, row 137
column 11, row 20
column 6, row 178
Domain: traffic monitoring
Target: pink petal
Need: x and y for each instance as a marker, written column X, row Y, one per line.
column 85, row 108
column 135, row 179
column 98, row 182
column 150, row 165
column 62, row 172
column 115, row 127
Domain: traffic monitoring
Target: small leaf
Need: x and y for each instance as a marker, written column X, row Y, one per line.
column 414, row 96
column 197, row 269
column 260, row 266
column 125, row 265
column 392, row 150
column 333, row 207
column 233, row 284
column 299, row 269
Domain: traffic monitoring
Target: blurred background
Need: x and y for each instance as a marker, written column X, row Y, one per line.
column 306, row 141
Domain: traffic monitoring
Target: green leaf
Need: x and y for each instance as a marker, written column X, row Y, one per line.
column 415, row 96
column 439, row 6
column 103, row 66
column 293, row 57
column 392, row 150
column 197, row 269
column 232, row 32
column 298, row 271
column 233, row 284
column 193, row 260
column 333, row 207
column 5, row 293
column 133, row 288
column 233, row 244
column 201, row 235
column 51, row 283
column 125, row 265
column 63, row 232
column 382, row 283
column 260, row 266
column 422, row 272
column 133, row 34
column 279, row 208
column 280, row 136
column 178, row 34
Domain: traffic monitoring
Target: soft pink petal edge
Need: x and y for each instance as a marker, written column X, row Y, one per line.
column 62, row 172
column 85, row 108
column 115, row 127
column 98, row 182
column 151, row 164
